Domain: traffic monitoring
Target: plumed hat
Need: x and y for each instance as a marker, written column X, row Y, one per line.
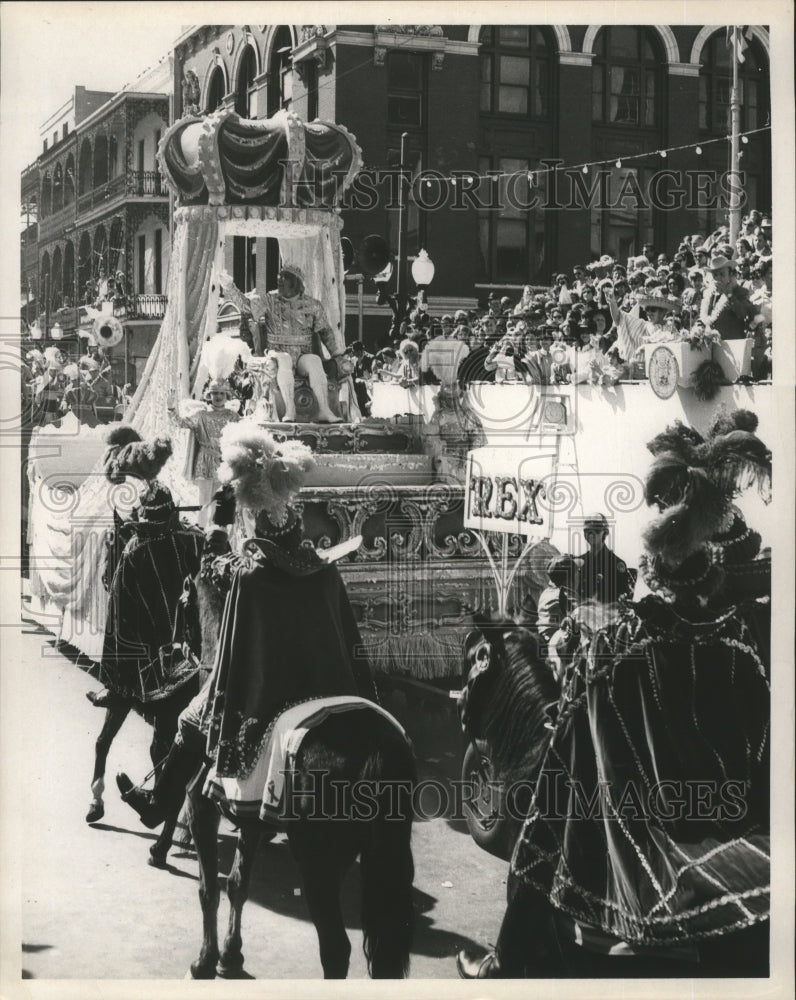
column 264, row 473
column 265, row 476
column 700, row 542
column 130, row 456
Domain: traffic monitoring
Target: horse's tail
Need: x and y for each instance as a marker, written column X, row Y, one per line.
column 386, row 863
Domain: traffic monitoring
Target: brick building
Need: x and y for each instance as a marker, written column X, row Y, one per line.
column 493, row 107
column 101, row 212
column 505, row 100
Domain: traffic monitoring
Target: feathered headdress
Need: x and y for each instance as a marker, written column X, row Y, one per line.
column 219, row 357
column 694, row 480
column 54, row 358
column 128, row 455
column 265, row 474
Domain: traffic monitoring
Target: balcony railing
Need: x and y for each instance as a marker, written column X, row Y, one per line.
column 100, row 195
column 141, row 307
column 145, row 184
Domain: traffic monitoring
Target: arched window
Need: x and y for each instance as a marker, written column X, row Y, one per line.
column 46, row 196
column 244, row 87
column 515, row 71
column 44, row 279
column 84, row 267
column 280, row 72
column 625, row 76
column 100, row 161
column 58, row 188
column 715, row 85
column 69, row 180
column 56, row 286
column 69, row 274
column 84, row 173
column 215, row 92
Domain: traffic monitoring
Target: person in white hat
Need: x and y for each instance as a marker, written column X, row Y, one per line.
column 726, row 307
column 291, row 320
column 632, row 331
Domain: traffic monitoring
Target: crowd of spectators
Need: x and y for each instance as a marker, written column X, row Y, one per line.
column 53, row 385
column 591, row 325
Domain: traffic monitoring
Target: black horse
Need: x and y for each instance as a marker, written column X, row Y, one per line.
column 513, row 703
column 326, row 831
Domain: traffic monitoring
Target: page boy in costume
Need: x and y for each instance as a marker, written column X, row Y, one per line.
column 268, row 655
column 206, row 420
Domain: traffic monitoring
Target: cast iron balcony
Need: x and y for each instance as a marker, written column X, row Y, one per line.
column 145, row 184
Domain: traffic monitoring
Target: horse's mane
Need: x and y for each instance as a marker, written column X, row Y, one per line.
column 514, row 717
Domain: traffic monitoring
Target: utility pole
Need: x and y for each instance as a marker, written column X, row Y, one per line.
column 401, row 279
column 735, row 118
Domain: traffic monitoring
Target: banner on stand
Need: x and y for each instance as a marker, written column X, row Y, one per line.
column 506, row 490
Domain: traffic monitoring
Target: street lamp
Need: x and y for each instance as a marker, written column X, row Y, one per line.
column 35, row 331
column 423, row 270
column 57, row 331
column 423, row 275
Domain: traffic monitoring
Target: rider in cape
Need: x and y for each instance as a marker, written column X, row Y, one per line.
column 669, row 698
column 288, row 632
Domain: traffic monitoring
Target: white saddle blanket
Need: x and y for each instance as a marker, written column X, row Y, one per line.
column 261, row 792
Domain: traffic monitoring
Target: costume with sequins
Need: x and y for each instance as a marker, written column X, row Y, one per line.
column 290, row 323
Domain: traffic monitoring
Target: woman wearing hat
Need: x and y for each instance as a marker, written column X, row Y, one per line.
column 633, row 332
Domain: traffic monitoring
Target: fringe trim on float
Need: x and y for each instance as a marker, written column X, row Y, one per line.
column 423, row 656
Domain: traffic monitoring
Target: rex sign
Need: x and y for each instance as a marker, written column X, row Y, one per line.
column 506, row 490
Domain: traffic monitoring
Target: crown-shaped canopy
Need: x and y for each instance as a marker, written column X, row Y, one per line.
column 223, row 159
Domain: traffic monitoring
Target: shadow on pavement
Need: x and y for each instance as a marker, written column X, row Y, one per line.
column 275, row 879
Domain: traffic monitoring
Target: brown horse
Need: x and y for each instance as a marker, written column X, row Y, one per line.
column 685, row 719
column 346, row 755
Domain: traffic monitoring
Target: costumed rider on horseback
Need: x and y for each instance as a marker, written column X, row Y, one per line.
column 291, row 320
column 645, row 850
column 288, row 632
column 149, row 556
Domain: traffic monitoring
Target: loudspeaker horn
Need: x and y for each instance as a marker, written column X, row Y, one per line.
column 374, row 255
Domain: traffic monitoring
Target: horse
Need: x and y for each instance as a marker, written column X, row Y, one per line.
column 166, row 714
column 344, row 750
column 515, row 704
column 202, row 615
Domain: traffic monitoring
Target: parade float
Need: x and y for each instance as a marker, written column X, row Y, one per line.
column 398, row 480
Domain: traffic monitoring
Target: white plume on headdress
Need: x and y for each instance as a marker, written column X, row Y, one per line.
column 265, row 474
column 220, row 354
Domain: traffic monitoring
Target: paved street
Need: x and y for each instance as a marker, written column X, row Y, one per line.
column 92, row 908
